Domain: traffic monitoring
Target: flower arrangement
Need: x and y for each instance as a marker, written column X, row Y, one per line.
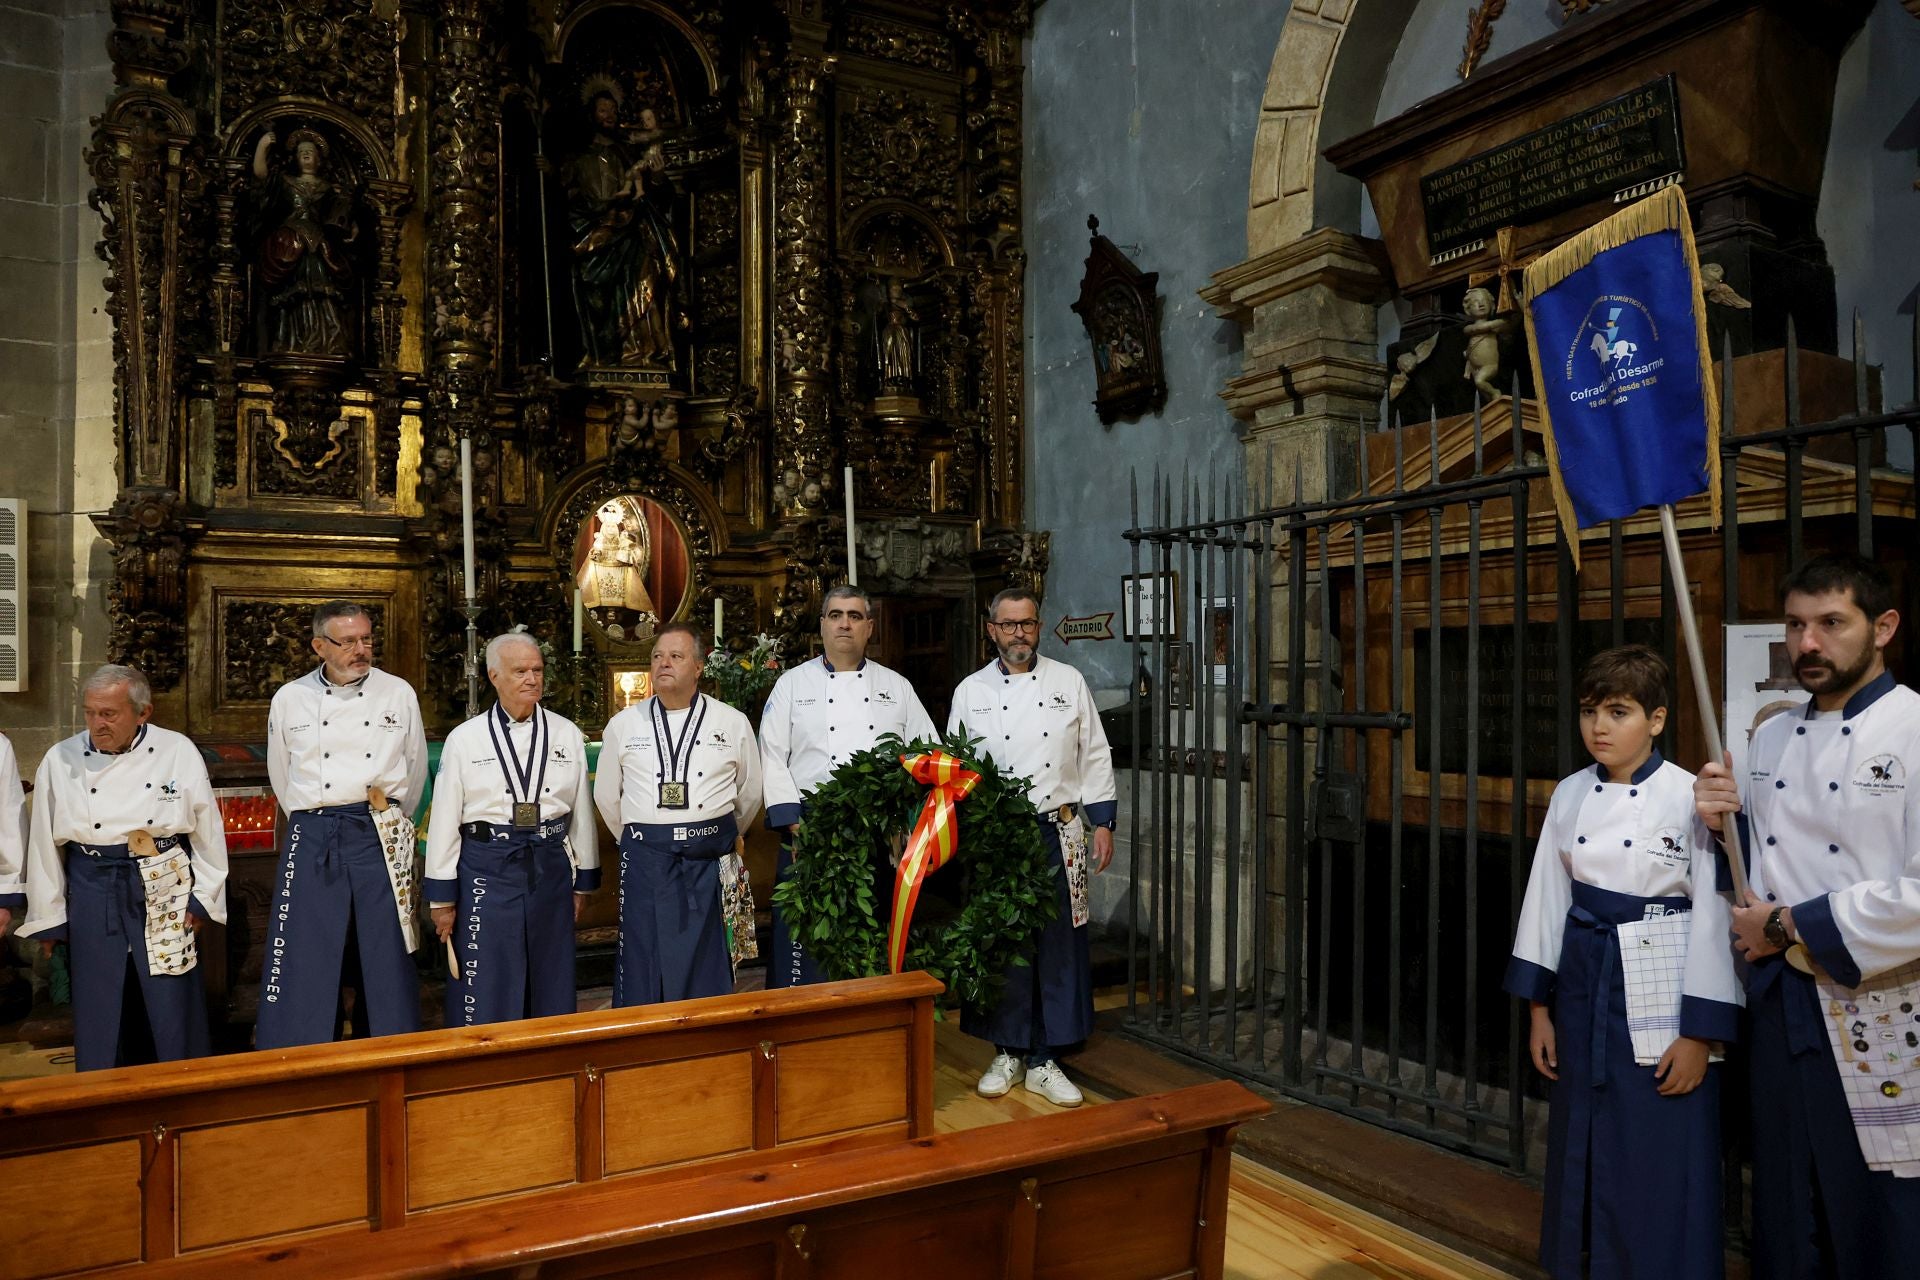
column 743, row 680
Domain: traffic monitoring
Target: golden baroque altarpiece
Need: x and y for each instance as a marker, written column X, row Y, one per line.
column 667, row 266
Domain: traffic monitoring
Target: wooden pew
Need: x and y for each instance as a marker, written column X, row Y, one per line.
column 327, row 1143
column 1125, row 1191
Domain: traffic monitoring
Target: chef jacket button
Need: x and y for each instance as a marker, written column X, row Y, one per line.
column 361, row 694
column 326, row 755
column 149, row 786
column 1833, row 848
column 1772, row 898
column 1043, row 733
column 1833, row 786
column 86, row 753
column 96, row 826
column 869, row 728
column 1801, row 730
column 1846, row 730
column 370, row 756
column 1598, row 787
column 93, row 791
column 326, row 786
column 829, row 701
column 1626, row 844
column 329, row 693
column 1770, row 840
column 1003, row 707
column 1779, row 784
column 1007, row 736
column 1633, row 791
column 367, row 724
column 866, row 699
column 323, row 724
column 1582, row 840
column 149, row 750
column 829, row 728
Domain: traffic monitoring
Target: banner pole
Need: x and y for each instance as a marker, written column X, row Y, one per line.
column 1709, row 716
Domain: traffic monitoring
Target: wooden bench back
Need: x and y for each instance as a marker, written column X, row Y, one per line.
column 149, row 1163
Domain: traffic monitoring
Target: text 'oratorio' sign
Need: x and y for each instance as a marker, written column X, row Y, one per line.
column 1591, row 155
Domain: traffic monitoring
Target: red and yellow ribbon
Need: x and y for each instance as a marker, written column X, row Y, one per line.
column 935, row 837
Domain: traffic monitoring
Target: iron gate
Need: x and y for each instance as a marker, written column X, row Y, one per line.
column 1326, row 855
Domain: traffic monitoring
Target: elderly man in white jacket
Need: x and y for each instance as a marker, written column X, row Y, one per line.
column 126, row 860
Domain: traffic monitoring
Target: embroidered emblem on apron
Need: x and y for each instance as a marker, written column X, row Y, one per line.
column 1875, row 1037
column 1073, row 853
column 396, row 843
column 736, row 906
column 167, row 879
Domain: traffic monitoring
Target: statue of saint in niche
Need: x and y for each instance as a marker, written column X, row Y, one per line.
column 304, row 255
column 625, row 258
column 896, row 337
column 619, row 553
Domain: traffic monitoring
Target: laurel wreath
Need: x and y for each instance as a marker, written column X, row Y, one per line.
column 853, row 823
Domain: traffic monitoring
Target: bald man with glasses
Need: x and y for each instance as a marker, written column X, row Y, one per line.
column 821, row 714
column 1036, row 719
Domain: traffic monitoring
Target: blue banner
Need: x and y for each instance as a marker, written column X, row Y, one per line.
column 1617, row 332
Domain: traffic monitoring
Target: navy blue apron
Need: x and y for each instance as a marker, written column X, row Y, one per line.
column 673, row 934
column 788, row 965
column 1817, row 1209
column 1048, row 1002
column 107, row 928
column 333, row 874
column 514, row 931
column 1641, row 1171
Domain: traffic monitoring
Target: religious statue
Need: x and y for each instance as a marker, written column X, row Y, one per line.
column 614, row 575
column 304, row 256
column 896, row 339
column 625, row 257
column 1483, row 331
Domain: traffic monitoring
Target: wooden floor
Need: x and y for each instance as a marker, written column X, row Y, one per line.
column 1277, row 1228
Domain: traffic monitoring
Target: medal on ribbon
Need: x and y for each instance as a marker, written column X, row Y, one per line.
column 676, row 758
column 523, row 788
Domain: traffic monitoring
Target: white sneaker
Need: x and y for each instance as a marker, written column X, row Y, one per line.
column 1051, row 1083
column 1003, row 1073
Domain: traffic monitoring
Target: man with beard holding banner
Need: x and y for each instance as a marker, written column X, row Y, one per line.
column 819, row 714
column 678, row 779
column 511, row 841
column 1831, row 932
column 347, row 756
column 127, row 859
column 1037, row 720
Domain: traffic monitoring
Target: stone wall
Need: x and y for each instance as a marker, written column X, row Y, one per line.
column 56, row 355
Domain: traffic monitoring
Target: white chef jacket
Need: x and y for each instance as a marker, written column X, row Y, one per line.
column 13, row 834
column 816, row 718
column 158, row 785
column 1641, row 838
column 722, row 771
column 1833, row 819
column 327, row 744
column 1042, row 725
column 472, row 787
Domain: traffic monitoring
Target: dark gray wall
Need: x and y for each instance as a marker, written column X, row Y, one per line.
column 1141, row 112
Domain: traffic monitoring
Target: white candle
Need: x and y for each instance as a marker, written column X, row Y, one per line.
column 466, row 512
column 719, row 612
column 579, row 619
column 853, row 564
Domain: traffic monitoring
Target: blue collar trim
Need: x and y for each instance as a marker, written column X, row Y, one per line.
column 1640, row 775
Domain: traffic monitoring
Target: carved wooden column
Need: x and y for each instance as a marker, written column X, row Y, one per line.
column 149, row 179
column 993, row 123
column 803, row 458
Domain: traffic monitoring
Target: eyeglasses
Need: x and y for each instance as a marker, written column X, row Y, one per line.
column 359, row 642
column 1018, row 624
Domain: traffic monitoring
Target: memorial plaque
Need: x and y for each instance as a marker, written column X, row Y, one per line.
column 1540, row 732
column 1591, row 155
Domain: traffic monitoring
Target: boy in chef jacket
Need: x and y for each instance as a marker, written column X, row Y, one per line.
column 1622, row 952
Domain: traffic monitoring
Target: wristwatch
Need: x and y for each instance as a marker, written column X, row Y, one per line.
column 1776, row 930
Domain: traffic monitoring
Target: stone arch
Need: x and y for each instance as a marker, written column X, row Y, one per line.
column 1323, row 85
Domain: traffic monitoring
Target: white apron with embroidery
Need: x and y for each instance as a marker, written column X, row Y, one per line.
column 397, row 844
column 1073, row 855
column 167, row 879
column 1875, row 1036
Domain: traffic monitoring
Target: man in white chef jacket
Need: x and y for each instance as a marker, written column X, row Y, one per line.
column 511, row 850
column 342, row 741
column 13, row 839
column 1831, row 828
column 678, row 779
column 820, row 714
column 126, row 860
column 1036, row 719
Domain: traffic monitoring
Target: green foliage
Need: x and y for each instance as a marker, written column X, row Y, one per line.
column 1008, row 896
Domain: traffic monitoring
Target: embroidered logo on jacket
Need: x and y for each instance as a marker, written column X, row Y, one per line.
column 1669, row 844
column 716, row 739
column 1060, row 702
column 169, row 791
column 1881, row 776
column 882, row 697
column 389, row 721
